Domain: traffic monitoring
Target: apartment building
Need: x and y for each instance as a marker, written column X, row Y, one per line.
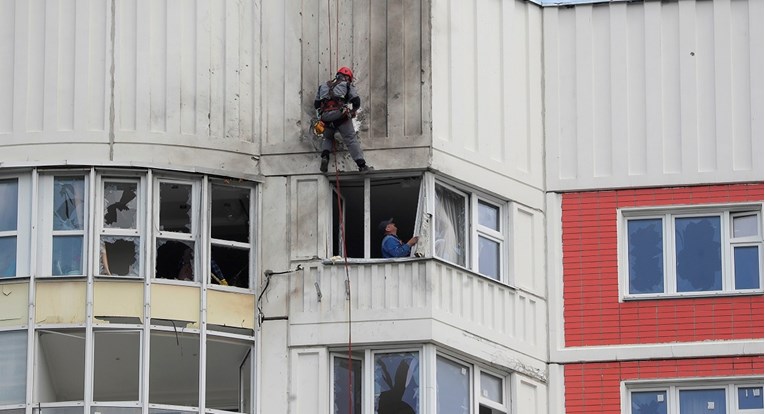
column 168, row 244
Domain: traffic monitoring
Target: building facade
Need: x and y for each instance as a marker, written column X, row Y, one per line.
column 168, row 244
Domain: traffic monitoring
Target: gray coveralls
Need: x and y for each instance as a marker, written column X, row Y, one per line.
column 344, row 126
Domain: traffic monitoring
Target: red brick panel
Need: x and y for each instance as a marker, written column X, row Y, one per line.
column 592, row 312
column 594, row 387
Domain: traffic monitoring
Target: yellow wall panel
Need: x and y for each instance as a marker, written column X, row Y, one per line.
column 180, row 303
column 117, row 298
column 231, row 309
column 14, row 304
column 60, row 302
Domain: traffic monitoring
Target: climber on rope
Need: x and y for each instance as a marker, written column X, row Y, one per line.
column 331, row 104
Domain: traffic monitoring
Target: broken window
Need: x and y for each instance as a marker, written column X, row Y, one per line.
column 176, row 239
column 68, row 226
column 9, row 197
column 59, row 366
column 230, row 235
column 120, row 246
column 116, row 365
column 228, row 385
column 693, row 252
column 175, row 260
column 397, row 382
column 175, row 205
column 469, row 230
column 346, row 397
column 363, row 205
column 13, row 366
column 174, row 368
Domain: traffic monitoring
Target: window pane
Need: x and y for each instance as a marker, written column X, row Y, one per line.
column 230, row 267
column 745, row 226
column 702, row 401
column 116, row 365
column 340, row 387
column 452, row 387
column 119, row 256
column 175, row 260
column 13, row 367
column 491, row 387
column 230, row 213
column 120, row 205
column 175, row 207
column 746, row 260
column 224, row 387
column 58, row 410
column 7, row 256
column 649, row 402
column 488, row 215
column 397, row 383
column 174, row 368
column 67, row 255
column 115, row 410
column 60, row 362
column 9, row 196
column 646, row 255
column 697, row 249
column 488, row 257
column 450, row 240
column 68, row 203
column 750, row 398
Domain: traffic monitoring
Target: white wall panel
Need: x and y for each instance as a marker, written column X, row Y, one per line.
column 653, row 93
column 487, row 86
column 309, row 390
column 528, row 396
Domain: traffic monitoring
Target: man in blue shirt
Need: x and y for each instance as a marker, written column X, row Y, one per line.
column 392, row 246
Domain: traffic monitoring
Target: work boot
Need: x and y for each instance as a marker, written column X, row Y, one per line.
column 365, row 168
column 324, row 164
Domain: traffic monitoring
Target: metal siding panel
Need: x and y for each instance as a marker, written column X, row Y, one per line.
column 291, row 72
column 305, row 218
column 722, row 84
column 7, row 54
column 203, row 57
column 35, row 48
column 583, row 105
column 670, row 86
column 413, row 67
column 66, row 73
column 273, row 69
column 51, row 64
column 441, row 72
column 602, row 141
column 378, row 71
column 217, row 71
column 756, row 66
column 157, row 64
column 653, row 87
column 173, row 27
column 707, row 92
column 568, row 120
column 636, row 87
column 488, row 99
column 395, row 63
column 187, row 57
column 741, row 134
column 619, row 90
column 361, row 60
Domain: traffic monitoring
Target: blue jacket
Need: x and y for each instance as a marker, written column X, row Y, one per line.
column 392, row 246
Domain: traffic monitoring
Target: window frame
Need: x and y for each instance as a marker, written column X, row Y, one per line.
column 193, row 236
column 668, row 216
column 673, row 388
column 474, row 230
column 141, row 221
column 24, row 214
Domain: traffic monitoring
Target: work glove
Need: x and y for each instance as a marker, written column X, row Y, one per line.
column 353, row 113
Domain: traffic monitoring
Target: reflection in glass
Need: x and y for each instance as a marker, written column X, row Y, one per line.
column 750, row 398
column 68, row 202
column 9, row 207
column 120, row 205
column 230, row 213
column 649, row 402
column 746, row 260
column 7, row 256
column 488, row 215
column 646, row 255
column 341, row 389
column 175, row 260
column 119, row 256
column 698, row 254
column 67, row 255
column 450, row 226
column 230, row 266
column 488, row 257
column 745, row 226
column 491, row 387
column 702, row 401
column 175, row 207
column 452, row 387
column 397, row 383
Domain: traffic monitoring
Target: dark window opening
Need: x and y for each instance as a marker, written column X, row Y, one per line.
column 175, row 260
column 175, row 207
column 230, row 267
column 230, row 213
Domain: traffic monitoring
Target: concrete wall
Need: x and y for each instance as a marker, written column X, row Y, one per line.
column 653, row 93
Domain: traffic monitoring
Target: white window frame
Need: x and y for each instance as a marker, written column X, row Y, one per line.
column 673, row 388
column 193, row 236
column 726, row 213
column 23, row 223
column 139, row 231
column 356, row 357
column 45, row 219
column 141, row 356
column 473, row 229
column 250, row 247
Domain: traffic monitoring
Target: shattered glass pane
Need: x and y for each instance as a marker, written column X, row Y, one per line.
column 7, row 256
column 397, row 383
column 230, row 267
column 698, row 253
column 649, row 402
column 645, row 249
column 230, row 213
column 9, row 197
column 120, row 205
column 452, row 387
column 341, row 388
column 119, row 256
column 67, row 255
column 68, row 203
column 175, row 260
column 175, row 207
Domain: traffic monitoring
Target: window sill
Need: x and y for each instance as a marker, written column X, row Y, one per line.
column 693, row 295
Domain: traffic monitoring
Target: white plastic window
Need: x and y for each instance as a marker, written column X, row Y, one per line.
column 176, row 230
column 712, row 398
column 9, row 197
column 13, row 366
column 230, row 237
column 63, row 226
column 120, row 224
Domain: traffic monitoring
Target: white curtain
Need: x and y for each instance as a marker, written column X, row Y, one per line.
column 450, row 226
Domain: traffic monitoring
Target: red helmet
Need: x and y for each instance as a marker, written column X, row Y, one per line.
column 346, row 71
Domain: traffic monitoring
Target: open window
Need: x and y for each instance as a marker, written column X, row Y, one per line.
column 177, row 230
column 364, row 204
column 60, row 366
column 228, row 385
column 120, row 222
column 230, row 237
